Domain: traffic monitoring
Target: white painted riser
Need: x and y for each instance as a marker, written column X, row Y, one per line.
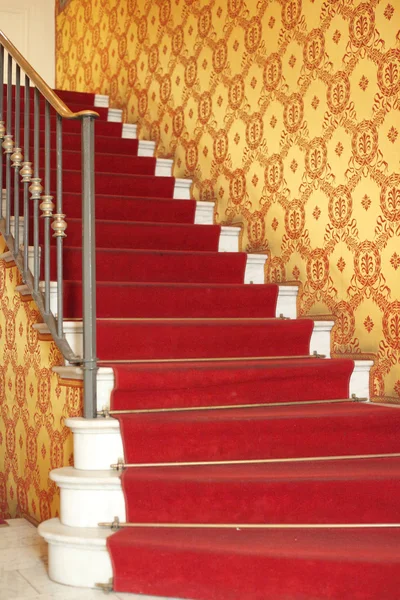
column 77, row 557
column 88, row 498
column 98, row 442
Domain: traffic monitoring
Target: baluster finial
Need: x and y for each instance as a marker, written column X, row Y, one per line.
column 8, row 144
column 36, row 188
column 26, row 172
column 59, row 226
column 16, row 158
column 47, row 206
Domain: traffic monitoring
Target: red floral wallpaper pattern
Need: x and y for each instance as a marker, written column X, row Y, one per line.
column 33, row 406
column 284, row 112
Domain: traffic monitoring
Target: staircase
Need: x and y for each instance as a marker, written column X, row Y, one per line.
column 232, row 458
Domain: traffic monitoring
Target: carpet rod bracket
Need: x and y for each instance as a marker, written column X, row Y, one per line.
column 107, row 588
column 355, row 398
column 119, row 466
column 104, row 413
column 114, row 526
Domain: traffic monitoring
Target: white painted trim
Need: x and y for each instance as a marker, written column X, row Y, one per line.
column 129, row 131
column 105, row 382
column 204, row 213
column 229, row 239
column 164, row 167
column 146, row 148
column 321, row 338
column 101, row 101
column 77, row 557
column 97, row 443
column 360, row 378
column 73, row 331
column 182, row 189
column 287, row 301
column 255, row 268
column 8, row 257
column 114, row 115
column 88, row 498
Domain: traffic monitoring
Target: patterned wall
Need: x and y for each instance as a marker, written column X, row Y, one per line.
column 286, row 113
column 33, row 437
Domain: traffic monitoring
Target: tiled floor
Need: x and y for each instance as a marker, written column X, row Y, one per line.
column 23, row 574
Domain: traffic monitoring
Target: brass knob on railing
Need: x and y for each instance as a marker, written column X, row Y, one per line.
column 16, row 158
column 59, row 225
column 36, row 188
column 26, row 172
column 2, row 129
column 8, row 144
column 47, row 206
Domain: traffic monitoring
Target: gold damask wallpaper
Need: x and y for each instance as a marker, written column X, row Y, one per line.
column 33, row 437
column 286, row 113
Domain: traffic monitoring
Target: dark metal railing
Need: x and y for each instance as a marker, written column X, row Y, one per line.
column 38, row 186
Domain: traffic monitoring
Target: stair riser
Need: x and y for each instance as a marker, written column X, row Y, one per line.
column 320, row 338
column 77, row 565
column 88, row 508
column 110, row 115
column 136, row 303
column 204, row 215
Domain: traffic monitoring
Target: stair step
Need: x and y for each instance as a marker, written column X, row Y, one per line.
column 166, row 339
column 176, row 300
column 319, row 492
column 219, row 383
column 156, row 236
column 102, row 112
column 157, row 266
column 126, row 185
column 88, row 498
column 155, row 210
column 77, row 557
column 258, row 564
column 260, row 433
column 118, row 163
column 82, row 98
column 267, row 563
column 181, row 300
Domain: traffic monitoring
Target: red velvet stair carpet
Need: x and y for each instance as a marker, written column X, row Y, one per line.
column 249, row 473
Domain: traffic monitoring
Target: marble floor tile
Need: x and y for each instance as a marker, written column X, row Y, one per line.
column 13, row 585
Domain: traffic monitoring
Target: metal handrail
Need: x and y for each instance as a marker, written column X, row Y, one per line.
column 59, row 106
column 18, row 158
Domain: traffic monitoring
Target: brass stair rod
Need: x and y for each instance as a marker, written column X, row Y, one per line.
column 116, row 524
column 106, row 412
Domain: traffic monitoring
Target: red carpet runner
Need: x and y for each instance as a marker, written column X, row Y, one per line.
column 165, row 293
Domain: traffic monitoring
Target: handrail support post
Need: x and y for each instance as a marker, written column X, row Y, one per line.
column 89, row 270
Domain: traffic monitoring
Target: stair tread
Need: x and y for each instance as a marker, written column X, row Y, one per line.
column 290, row 564
column 255, row 433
